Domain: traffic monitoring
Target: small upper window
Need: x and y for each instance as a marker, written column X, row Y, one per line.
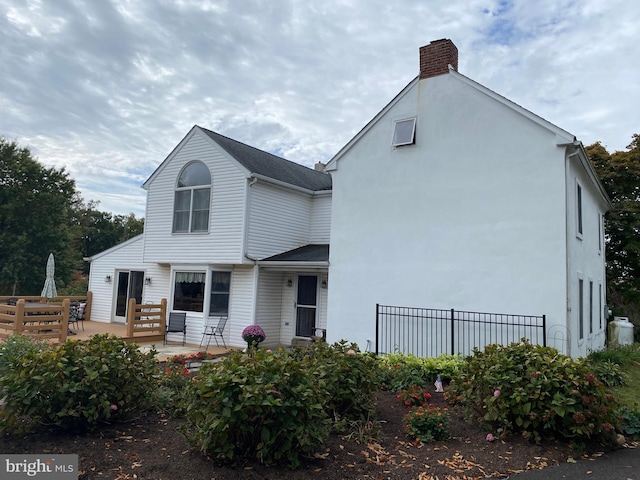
column 404, row 132
column 579, row 209
column 192, row 198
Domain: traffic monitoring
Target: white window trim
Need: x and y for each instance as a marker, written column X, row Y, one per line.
column 191, row 189
column 600, row 233
column 591, row 300
column 208, row 286
column 413, row 132
column 579, row 210
column 581, row 310
column 189, row 269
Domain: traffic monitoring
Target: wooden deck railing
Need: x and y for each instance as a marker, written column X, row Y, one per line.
column 43, row 320
column 88, row 299
column 146, row 322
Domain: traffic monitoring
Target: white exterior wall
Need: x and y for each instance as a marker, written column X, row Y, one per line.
column 586, row 262
column 224, row 241
column 470, row 217
column 268, row 306
column 242, row 303
column 278, row 220
column 126, row 256
column 320, row 219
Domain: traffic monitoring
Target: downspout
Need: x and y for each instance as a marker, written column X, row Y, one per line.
column 252, row 181
column 256, row 272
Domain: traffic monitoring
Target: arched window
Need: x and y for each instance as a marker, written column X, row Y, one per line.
column 192, row 199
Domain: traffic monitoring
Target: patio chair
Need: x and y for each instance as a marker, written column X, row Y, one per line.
column 81, row 308
column 76, row 314
column 177, row 324
column 73, row 317
column 214, row 331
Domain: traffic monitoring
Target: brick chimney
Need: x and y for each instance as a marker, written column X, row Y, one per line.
column 436, row 57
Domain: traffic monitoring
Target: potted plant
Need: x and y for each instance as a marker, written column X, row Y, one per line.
column 253, row 335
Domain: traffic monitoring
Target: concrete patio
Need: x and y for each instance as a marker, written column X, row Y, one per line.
column 120, row 330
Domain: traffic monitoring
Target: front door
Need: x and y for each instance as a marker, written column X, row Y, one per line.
column 129, row 285
column 306, row 305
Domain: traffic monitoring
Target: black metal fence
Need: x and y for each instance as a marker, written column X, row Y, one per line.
column 428, row 332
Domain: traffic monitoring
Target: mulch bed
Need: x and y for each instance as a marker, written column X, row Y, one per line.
column 151, row 448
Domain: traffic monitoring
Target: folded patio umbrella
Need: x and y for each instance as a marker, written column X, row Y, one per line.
column 49, row 289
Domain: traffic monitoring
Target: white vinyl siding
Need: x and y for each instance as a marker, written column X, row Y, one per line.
column 279, row 220
column 126, row 256
column 268, row 306
column 223, row 242
column 320, row 219
column 242, row 302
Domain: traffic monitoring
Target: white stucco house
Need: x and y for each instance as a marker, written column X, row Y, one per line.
column 230, row 231
column 452, row 196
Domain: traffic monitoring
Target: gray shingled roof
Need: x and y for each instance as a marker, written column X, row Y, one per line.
column 308, row 253
column 271, row 166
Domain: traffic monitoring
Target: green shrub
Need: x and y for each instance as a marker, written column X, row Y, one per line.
column 621, row 355
column 15, row 347
column 267, row 406
column 427, row 424
column 350, row 378
column 536, row 391
column 630, row 422
column 608, row 372
column 78, row 385
column 399, row 371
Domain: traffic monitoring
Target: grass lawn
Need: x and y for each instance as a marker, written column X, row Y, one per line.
column 628, row 394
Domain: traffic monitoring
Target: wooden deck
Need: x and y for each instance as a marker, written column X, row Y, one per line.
column 120, row 330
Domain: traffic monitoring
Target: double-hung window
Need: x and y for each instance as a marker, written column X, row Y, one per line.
column 192, row 199
column 220, row 290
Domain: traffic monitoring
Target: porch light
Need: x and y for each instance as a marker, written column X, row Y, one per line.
column 107, row 279
column 289, row 283
column 323, row 284
column 147, row 281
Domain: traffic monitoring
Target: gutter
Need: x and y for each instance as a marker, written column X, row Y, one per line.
column 279, row 183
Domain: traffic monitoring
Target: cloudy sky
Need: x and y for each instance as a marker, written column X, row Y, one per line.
column 107, row 88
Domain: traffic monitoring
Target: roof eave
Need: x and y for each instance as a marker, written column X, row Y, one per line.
column 293, row 264
column 332, row 164
column 282, row 184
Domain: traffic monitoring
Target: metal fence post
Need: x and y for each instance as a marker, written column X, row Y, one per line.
column 453, row 324
column 377, row 326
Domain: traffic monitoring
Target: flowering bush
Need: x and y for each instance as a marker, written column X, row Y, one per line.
column 427, row 424
column 351, row 379
column 183, row 359
column 536, row 391
column 75, row 385
column 414, row 396
column 253, row 335
column 266, row 406
column 452, row 396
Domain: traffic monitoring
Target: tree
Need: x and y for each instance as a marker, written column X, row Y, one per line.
column 620, row 175
column 95, row 231
column 35, row 209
